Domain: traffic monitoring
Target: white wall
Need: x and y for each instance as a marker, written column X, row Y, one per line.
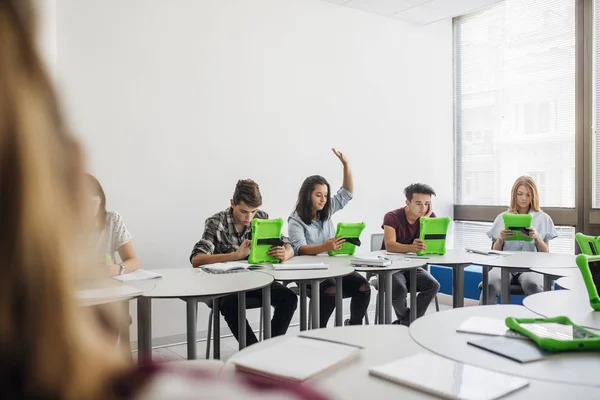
column 177, row 100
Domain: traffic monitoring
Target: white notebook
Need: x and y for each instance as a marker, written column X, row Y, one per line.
column 290, row 267
column 448, row 379
column 297, row 358
column 488, row 326
column 138, row 275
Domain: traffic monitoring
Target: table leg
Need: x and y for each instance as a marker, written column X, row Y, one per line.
column 314, row 301
column 303, row 311
column 388, row 297
column 505, row 285
column 242, row 319
column 485, row 273
column 381, row 299
column 216, row 329
column 192, row 315
column 548, row 282
column 413, row 294
column 339, row 302
column 266, row 314
column 460, row 287
column 144, row 315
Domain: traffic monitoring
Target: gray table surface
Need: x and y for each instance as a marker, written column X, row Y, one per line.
column 436, row 332
column 557, row 272
column 574, row 304
column 386, row 343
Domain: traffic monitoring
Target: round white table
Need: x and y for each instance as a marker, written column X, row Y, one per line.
column 192, row 285
column 338, row 267
column 384, row 276
column 572, row 283
column 556, row 273
column 109, row 291
column 437, row 333
column 458, row 260
column 383, row 344
column 523, row 261
column 574, row 304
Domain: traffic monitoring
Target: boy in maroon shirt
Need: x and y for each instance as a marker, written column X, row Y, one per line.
column 401, row 230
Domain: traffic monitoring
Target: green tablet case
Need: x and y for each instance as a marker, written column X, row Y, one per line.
column 590, row 270
column 351, row 232
column 589, row 245
column 433, row 233
column 591, row 342
column 516, row 223
column 266, row 233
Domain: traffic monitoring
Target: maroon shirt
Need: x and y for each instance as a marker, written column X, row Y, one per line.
column 405, row 233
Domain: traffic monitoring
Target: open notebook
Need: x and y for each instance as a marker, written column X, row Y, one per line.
column 488, row 326
column 297, row 358
column 138, row 275
column 448, row 379
column 221, row 268
column 371, row 261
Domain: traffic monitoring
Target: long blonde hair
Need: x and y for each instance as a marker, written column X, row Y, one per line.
column 529, row 183
column 50, row 347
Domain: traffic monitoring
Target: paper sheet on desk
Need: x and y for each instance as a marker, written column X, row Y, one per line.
column 138, row 275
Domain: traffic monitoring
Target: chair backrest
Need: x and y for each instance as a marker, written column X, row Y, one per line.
column 376, row 241
column 589, row 245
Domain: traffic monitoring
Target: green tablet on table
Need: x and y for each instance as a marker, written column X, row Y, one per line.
column 519, row 225
column 266, row 233
column 351, row 233
column 433, row 232
column 555, row 334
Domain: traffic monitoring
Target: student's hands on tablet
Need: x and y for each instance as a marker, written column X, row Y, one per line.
column 333, row 244
column 341, row 156
column 244, row 250
column 277, row 252
column 506, row 233
column 418, row 245
column 533, row 233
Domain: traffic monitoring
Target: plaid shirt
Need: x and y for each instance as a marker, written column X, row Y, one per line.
column 221, row 237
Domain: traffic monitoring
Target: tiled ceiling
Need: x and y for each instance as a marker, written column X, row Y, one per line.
column 416, row 11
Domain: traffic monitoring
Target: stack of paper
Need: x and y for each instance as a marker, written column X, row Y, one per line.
column 372, row 261
column 221, row 268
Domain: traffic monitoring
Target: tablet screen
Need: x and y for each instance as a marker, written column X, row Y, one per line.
column 557, row 331
column 595, row 270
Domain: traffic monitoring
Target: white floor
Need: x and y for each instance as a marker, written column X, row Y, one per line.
column 229, row 345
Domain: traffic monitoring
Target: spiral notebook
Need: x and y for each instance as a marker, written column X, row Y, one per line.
column 448, row 379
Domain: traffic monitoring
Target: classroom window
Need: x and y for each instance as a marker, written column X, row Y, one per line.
column 473, row 235
column 514, row 68
column 596, row 107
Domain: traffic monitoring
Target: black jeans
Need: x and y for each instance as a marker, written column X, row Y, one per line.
column 350, row 288
column 283, row 300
